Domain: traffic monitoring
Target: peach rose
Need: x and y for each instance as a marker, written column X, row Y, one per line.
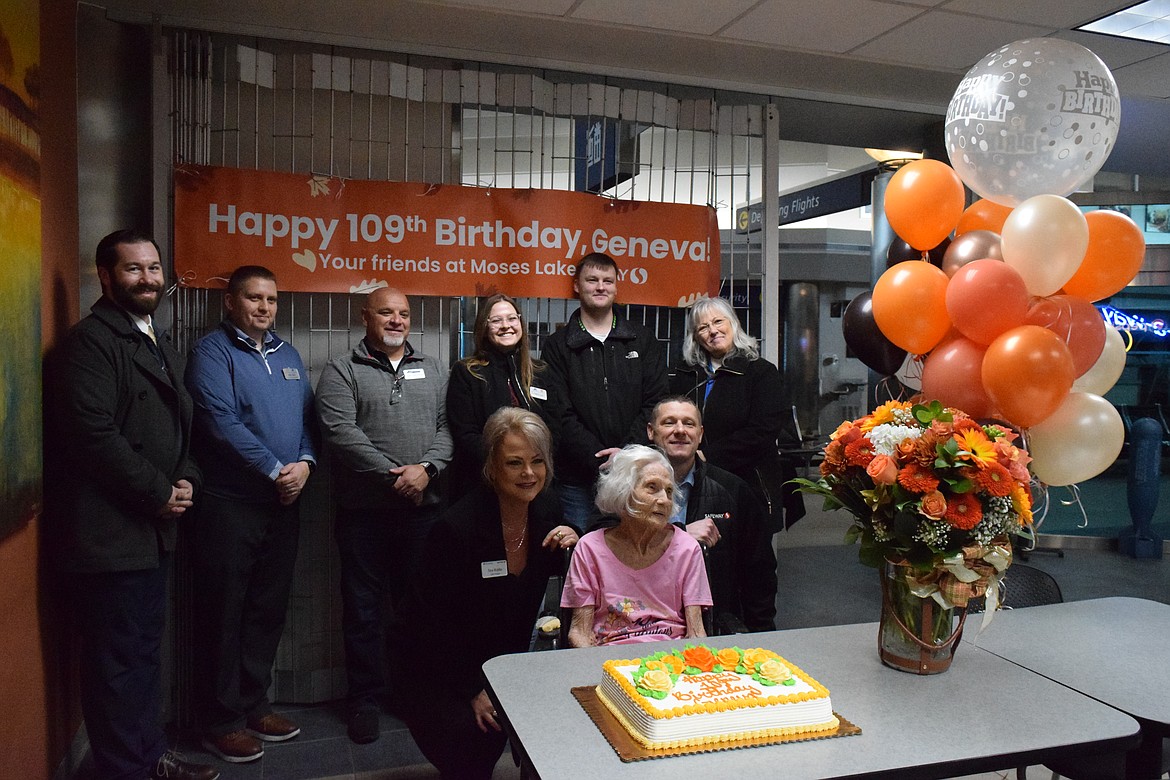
column 846, row 432
column 656, row 680
column 934, row 505
column 754, row 656
column 773, row 671
column 883, row 470
column 674, row 664
column 728, row 657
column 699, row 657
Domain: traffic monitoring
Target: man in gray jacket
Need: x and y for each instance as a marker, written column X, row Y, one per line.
column 382, row 412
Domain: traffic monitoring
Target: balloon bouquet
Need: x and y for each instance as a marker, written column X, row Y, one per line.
column 1000, row 317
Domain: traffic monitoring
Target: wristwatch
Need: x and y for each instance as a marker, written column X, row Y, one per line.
column 430, row 468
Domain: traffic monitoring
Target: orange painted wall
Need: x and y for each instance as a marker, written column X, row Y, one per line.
column 40, row 713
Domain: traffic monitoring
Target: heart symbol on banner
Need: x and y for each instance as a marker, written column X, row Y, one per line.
column 306, row 259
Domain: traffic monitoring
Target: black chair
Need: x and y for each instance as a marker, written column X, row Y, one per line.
column 1022, row 586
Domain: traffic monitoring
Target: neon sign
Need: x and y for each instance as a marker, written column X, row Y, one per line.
column 1134, row 323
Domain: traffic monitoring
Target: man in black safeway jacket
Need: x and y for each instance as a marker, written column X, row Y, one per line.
column 606, row 375
column 724, row 515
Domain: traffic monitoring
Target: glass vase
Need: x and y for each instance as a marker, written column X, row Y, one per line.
column 916, row 634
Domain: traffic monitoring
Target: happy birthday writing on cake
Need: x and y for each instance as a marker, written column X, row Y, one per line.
column 720, row 686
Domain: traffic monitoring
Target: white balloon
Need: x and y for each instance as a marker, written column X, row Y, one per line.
column 1035, row 117
column 1078, row 441
column 1103, row 375
column 1045, row 238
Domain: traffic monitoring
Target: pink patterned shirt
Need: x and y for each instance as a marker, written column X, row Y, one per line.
column 644, row 605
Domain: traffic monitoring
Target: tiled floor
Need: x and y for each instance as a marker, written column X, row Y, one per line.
column 812, row 562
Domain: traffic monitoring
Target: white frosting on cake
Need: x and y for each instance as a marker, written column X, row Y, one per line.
column 716, row 707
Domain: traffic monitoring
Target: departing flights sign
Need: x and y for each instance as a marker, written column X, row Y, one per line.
column 848, row 190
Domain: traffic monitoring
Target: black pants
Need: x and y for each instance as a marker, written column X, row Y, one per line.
column 445, row 731
column 122, row 616
column 380, row 551
column 243, row 564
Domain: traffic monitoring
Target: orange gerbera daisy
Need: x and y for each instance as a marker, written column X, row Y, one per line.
column 882, row 415
column 1022, row 503
column 859, row 452
column 963, row 511
column 977, row 445
column 917, row 478
column 995, row 480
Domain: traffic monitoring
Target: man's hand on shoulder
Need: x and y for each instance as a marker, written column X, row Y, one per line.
column 704, row 531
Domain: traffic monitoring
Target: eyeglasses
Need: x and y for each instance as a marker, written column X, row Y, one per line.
column 396, row 390
column 706, row 327
column 498, row 322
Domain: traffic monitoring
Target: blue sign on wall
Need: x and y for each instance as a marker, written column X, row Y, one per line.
column 600, row 145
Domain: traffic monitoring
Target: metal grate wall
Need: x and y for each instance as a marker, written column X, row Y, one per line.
column 304, row 108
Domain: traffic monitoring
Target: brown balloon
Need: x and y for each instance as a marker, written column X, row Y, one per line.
column 865, row 338
column 969, row 247
column 899, row 251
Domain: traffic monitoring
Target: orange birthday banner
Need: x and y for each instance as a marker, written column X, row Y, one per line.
column 323, row 234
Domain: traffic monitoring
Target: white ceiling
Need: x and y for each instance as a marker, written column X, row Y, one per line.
column 906, row 55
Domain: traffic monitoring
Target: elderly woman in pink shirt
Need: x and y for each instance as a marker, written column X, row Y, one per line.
column 643, row 579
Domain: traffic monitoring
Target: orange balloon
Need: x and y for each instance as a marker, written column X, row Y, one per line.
column 1027, row 372
column 910, row 307
column 1115, row 254
column 983, row 215
column 952, row 373
column 1076, row 322
column 923, row 202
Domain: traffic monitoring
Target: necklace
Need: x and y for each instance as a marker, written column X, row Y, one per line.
column 523, row 536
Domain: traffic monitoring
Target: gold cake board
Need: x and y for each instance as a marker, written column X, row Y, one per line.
column 629, row 749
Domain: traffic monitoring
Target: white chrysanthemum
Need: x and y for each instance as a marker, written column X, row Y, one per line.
column 886, row 438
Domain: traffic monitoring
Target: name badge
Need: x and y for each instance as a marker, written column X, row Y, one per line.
column 539, row 393
column 291, row 373
column 492, row 569
column 414, row 373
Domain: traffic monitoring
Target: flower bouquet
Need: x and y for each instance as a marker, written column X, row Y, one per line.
column 935, row 497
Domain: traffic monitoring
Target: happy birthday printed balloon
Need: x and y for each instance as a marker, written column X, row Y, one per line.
column 1036, row 117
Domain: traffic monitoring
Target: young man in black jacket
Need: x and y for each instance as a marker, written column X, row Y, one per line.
column 606, row 374
column 724, row 515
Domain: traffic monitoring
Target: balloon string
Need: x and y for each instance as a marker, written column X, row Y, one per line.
column 1075, row 492
column 1040, row 508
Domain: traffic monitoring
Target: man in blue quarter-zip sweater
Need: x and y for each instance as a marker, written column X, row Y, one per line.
column 254, row 430
column 606, row 374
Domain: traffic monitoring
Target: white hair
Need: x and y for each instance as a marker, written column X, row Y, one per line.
column 615, row 488
column 741, row 343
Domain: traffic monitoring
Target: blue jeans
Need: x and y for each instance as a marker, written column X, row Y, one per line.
column 577, row 505
column 380, row 550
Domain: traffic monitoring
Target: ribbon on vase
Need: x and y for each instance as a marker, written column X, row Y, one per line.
column 973, row 572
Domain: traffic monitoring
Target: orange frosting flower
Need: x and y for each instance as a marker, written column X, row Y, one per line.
column 883, row 470
column 699, row 657
column 754, row 656
column 728, row 657
column 655, row 663
column 674, row 663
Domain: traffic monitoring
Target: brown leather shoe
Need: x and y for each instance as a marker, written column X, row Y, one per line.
column 173, row 766
column 272, row 728
column 236, row 747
